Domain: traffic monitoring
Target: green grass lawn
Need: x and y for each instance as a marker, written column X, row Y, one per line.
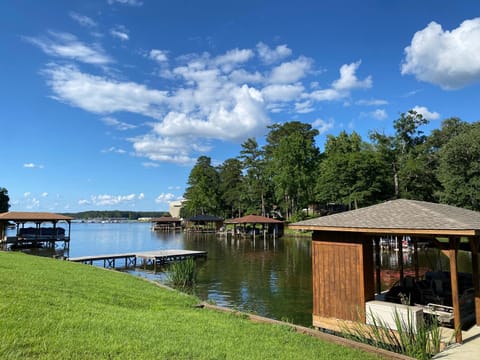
column 60, row 310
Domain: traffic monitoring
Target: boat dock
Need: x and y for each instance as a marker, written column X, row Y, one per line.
column 148, row 258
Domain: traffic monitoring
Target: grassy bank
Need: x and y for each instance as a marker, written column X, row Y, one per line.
column 55, row 309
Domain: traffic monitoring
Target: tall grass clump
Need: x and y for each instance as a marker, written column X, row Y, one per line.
column 420, row 342
column 183, row 274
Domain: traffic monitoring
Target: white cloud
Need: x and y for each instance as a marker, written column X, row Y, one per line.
column 323, row 126
column 233, row 57
column 304, row 107
column 348, row 79
column 291, row 72
column 44, row 194
column 66, row 45
column 32, row 166
column 120, row 32
column 119, row 125
column 33, row 203
column 208, row 98
column 108, row 200
column 342, row 87
column 242, row 77
column 445, row 58
column 101, row 95
column 27, row 194
column 270, row 56
column 379, row 114
column 282, row 92
column 126, row 2
column 427, row 114
column 164, row 198
column 234, row 117
column 141, row 196
column 372, row 102
column 160, row 56
column 114, row 149
column 164, row 149
column 83, row 20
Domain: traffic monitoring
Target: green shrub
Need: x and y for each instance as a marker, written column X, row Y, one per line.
column 422, row 342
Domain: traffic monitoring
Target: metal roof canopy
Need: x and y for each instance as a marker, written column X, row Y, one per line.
column 416, row 219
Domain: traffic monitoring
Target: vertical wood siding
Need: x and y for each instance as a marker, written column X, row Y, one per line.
column 342, row 265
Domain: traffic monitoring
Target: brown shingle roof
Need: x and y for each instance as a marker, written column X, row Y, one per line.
column 400, row 216
column 166, row 219
column 32, row 216
column 253, row 219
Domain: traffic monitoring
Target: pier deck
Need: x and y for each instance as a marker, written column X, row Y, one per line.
column 154, row 257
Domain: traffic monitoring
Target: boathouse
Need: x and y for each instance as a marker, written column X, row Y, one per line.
column 345, row 254
column 203, row 224
column 35, row 229
column 247, row 226
column 166, row 224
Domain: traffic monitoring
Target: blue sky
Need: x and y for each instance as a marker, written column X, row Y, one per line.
column 107, row 104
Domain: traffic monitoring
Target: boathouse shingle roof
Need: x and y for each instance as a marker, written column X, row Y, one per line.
column 397, row 216
column 253, row 219
column 32, row 216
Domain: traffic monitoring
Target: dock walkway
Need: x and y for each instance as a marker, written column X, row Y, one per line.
column 154, row 257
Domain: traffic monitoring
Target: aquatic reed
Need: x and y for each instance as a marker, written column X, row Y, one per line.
column 182, row 274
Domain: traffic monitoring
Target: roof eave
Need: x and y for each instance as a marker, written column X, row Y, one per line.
column 398, row 231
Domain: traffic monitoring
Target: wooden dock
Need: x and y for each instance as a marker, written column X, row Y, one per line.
column 148, row 258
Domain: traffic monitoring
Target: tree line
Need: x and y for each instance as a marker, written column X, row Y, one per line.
column 289, row 173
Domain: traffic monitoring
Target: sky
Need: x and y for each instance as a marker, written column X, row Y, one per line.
column 107, row 104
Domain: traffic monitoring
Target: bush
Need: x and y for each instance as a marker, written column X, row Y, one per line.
column 421, row 343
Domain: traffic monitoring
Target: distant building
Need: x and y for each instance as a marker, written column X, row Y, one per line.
column 175, row 207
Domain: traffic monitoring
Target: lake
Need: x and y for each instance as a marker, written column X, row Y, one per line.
column 269, row 278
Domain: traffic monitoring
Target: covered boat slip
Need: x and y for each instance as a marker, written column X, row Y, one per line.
column 167, row 224
column 246, row 226
column 35, row 229
column 345, row 260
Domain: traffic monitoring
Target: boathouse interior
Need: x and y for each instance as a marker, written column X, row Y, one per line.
column 345, row 257
column 203, row 224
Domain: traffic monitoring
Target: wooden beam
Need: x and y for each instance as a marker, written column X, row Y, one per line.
column 452, row 254
column 400, row 257
column 474, row 245
column 415, row 258
column 378, row 265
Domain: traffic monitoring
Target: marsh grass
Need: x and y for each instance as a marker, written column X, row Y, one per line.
column 182, row 274
column 420, row 342
column 52, row 309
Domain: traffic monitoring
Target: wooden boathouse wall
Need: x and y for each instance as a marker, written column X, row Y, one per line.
column 342, row 266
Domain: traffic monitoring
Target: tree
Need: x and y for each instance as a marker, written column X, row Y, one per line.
column 4, row 200
column 255, row 181
column 407, row 156
column 202, row 194
column 231, row 186
column 351, row 173
column 459, row 169
column 292, row 158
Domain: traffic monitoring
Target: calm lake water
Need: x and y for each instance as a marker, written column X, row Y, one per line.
column 269, row 278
